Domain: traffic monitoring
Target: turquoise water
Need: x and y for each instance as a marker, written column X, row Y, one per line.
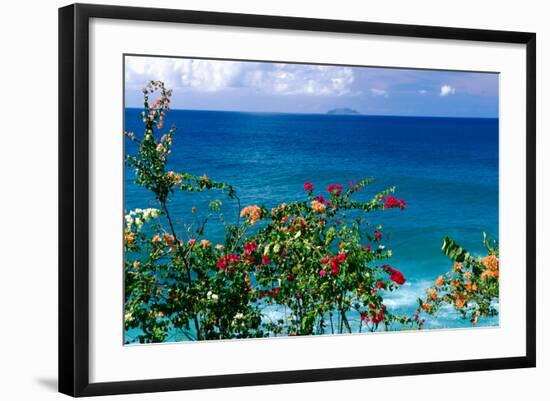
column 445, row 168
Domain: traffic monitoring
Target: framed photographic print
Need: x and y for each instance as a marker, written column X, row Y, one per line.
column 249, row 199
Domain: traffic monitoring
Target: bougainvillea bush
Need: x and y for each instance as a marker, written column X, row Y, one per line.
column 303, row 267
column 471, row 287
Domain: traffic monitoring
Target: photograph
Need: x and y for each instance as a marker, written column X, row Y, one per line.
column 267, row 199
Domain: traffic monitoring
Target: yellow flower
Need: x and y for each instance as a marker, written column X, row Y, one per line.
column 252, row 214
column 205, row 243
column 440, row 281
column 219, row 247
column 318, row 207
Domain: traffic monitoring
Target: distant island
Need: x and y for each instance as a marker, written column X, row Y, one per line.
column 343, row 110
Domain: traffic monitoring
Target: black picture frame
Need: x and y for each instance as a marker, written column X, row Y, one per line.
column 74, row 198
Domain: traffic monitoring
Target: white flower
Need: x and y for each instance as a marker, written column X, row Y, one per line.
column 215, row 297
column 239, row 316
column 209, row 294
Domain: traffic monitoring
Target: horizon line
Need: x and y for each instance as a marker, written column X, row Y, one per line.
column 325, row 113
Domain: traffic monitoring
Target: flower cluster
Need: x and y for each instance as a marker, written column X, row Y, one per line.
column 335, row 189
column 228, row 260
column 252, row 213
column 391, row 202
column 395, row 275
column 137, row 217
column 471, row 286
column 333, row 263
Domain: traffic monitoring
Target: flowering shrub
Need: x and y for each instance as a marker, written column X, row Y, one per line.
column 312, row 266
column 471, row 287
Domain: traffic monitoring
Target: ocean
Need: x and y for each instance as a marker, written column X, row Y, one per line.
column 446, row 169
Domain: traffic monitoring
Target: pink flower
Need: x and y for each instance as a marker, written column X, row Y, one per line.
column 322, row 273
column 308, row 186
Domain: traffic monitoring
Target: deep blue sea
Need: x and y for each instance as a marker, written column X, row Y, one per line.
column 445, row 168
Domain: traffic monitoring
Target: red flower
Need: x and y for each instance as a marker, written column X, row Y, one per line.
column 395, row 275
column 335, row 189
column 364, row 316
column 321, row 199
column 308, row 186
column 249, row 247
column 227, row 260
column 265, row 260
column 380, row 285
column 392, row 202
column 377, row 235
column 368, row 248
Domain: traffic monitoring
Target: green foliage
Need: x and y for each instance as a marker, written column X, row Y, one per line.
column 301, row 268
column 471, row 287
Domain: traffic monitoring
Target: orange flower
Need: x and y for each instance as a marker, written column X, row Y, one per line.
column 219, row 247
column 168, row 238
column 129, row 237
column 205, row 243
column 489, row 273
column 468, row 275
column 252, row 214
column 298, row 223
column 432, row 293
column 457, row 266
column 490, row 262
column 318, row 207
column 427, row 307
column 173, row 177
column 470, row 286
column 440, row 281
column 156, row 239
column 460, row 301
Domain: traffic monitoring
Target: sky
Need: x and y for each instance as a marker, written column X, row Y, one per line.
column 199, row 84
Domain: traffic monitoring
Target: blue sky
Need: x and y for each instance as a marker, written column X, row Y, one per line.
column 301, row 88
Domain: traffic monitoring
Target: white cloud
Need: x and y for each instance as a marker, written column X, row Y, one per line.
column 422, row 91
column 216, row 75
column 202, row 75
column 447, row 90
column 292, row 79
column 379, row 92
